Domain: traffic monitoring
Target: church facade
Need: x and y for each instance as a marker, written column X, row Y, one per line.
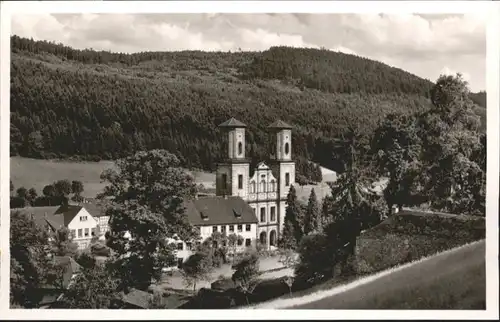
column 265, row 188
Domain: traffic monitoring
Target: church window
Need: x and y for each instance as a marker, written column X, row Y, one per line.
column 252, row 187
column 262, row 186
column 240, row 148
column 287, row 179
column 272, row 186
column 262, row 214
column 287, row 148
column 240, row 181
column 273, row 213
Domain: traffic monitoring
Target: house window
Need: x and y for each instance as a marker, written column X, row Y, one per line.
column 248, row 242
column 214, row 229
column 240, row 181
column 240, row 242
column 180, row 246
column 287, row 179
column 224, row 181
column 73, row 233
column 223, row 229
column 240, row 148
column 92, row 232
column 231, row 228
column 224, row 243
column 240, row 227
column 247, row 228
column 273, row 213
column 83, row 218
column 262, row 214
column 86, row 232
column 189, row 246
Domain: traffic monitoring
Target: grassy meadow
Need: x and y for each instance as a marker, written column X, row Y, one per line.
column 26, row 172
column 447, row 281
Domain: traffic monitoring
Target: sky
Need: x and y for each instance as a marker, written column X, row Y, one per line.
column 425, row 45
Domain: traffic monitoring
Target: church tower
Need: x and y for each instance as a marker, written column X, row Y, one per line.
column 284, row 164
column 232, row 173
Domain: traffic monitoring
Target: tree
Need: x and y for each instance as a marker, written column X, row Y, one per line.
column 397, row 151
column 234, row 240
column 62, row 188
column 146, row 192
column 315, row 261
column 28, row 260
column 62, row 244
column 77, row 189
column 93, row 288
column 196, row 268
column 31, row 196
column 22, row 192
column 294, row 214
column 49, row 190
column 287, row 240
column 287, row 257
column 246, row 273
column 313, row 216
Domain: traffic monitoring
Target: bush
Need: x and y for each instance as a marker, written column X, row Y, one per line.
column 314, row 264
column 223, row 284
column 99, row 249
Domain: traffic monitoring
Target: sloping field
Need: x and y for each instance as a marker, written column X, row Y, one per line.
column 26, row 172
column 411, row 235
column 455, row 279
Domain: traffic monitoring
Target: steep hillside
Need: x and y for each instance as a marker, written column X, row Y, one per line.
column 68, row 103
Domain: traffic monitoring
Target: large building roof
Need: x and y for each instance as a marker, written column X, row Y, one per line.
column 232, row 123
column 219, row 211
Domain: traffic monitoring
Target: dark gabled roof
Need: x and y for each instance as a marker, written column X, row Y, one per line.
column 279, row 125
column 219, row 211
column 232, row 123
column 137, row 298
column 69, row 266
column 55, row 217
column 40, row 214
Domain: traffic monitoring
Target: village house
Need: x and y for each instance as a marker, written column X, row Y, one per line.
column 81, row 224
column 226, row 215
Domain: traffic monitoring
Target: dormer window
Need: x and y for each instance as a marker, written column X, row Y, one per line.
column 204, row 216
column 236, row 213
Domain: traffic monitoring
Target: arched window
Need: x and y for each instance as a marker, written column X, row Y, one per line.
column 252, row 187
column 262, row 187
column 287, row 148
column 272, row 238
column 263, row 239
column 240, row 148
column 272, row 186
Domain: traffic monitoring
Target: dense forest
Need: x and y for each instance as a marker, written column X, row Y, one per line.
column 68, row 103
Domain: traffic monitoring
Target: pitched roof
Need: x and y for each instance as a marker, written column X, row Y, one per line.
column 55, row 217
column 279, row 124
column 219, row 210
column 40, row 214
column 137, row 298
column 232, row 123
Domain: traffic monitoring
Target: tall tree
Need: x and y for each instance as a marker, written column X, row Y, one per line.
column 146, row 193
column 246, row 273
column 313, row 221
column 28, row 260
column 196, row 268
column 294, row 214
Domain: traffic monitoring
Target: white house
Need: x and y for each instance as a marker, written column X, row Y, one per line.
column 229, row 215
column 81, row 224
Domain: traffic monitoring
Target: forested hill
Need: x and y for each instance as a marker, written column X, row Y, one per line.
column 101, row 105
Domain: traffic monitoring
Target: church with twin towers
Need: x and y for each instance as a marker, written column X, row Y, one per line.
column 266, row 187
